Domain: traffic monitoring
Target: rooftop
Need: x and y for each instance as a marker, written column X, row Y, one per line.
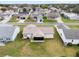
column 71, row 33
column 6, row 31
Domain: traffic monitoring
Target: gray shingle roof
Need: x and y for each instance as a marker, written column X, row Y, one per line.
column 71, row 33
column 61, row 26
column 6, row 31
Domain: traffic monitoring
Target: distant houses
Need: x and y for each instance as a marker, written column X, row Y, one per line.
column 37, row 34
column 71, row 16
column 54, row 13
column 8, row 32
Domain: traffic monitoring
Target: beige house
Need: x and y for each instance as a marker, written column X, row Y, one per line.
column 37, row 34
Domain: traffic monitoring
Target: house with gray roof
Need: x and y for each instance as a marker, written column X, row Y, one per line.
column 8, row 32
column 71, row 16
column 68, row 35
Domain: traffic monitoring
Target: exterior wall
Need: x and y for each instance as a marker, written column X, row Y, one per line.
column 25, row 35
column 49, row 35
column 37, row 40
column 60, row 32
column 17, row 30
column 45, row 35
column 75, row 41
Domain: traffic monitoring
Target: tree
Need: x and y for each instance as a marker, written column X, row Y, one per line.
column 3, row 9
column 24, row 10
column 44, row 17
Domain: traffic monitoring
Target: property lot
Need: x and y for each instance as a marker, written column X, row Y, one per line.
column 52, row 47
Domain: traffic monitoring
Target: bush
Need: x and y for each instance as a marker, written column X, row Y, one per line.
column 69, row 44
column 44, row 17
column 77, row 54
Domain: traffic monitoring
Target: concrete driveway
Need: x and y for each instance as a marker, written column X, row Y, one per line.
column 6, row 19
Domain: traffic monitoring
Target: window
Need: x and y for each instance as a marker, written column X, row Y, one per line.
column 72, row 40
column 7, row 38
column 40, row 20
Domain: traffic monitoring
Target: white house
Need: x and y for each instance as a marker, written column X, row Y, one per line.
column 68, row 36
column 71, row 16
column 37, row 17
column 37, row 34
column 8, row 32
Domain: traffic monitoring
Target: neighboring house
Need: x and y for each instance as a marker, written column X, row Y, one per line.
column 37, row 17
column 71, row 16
column 21, row 17
column 69, row 36
column 8, row 32
column 37, row 34
column 24, row 9
column 53, row 14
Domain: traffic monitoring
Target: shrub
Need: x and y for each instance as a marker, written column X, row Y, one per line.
column 69, row 44
column 77, row 54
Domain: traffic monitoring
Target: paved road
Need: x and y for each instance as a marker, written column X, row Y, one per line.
column 47, row 24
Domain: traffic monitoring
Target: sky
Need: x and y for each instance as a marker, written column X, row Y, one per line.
column 38, row 1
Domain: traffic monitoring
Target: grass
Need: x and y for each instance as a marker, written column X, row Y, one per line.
column 51, row 47
column 29, row 20
column 74, row 26
column 47, row 20
column 13, row 19
column 68, row 20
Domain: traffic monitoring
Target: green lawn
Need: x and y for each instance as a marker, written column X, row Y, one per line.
column 74, row 26
column 68, row 20
column 29, row 20
column 51, row 47
column 13, row 19
column 47, row 20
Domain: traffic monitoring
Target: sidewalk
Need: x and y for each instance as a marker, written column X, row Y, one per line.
column 61, row 22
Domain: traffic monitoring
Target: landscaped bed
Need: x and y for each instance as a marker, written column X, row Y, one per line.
column 52, row 47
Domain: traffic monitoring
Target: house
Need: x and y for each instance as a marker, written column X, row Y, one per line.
column 37, row 34
column 21, row 17
column 68, row 36
column 37, row 17
column 53, row 15
column 71, row 16
column 8, row 32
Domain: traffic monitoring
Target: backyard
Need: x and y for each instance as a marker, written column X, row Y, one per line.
column 52, row 47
